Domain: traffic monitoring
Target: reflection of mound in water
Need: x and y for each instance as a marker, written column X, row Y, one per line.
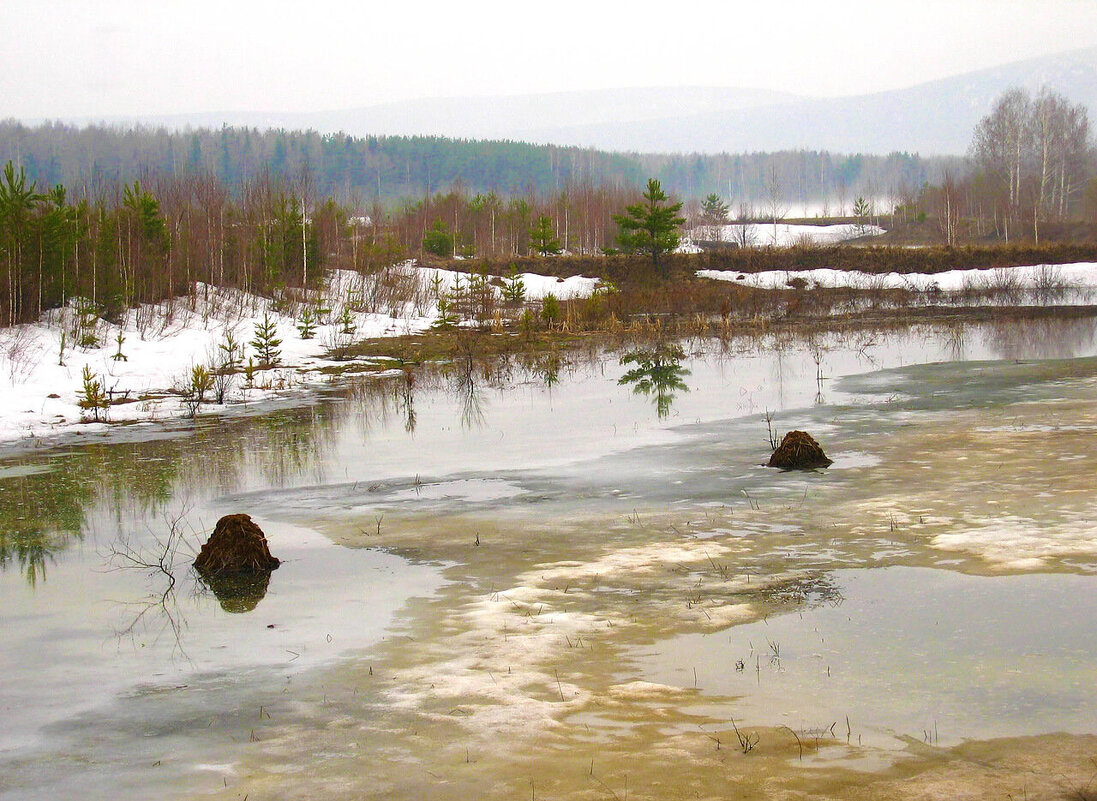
column 236, row 563
column 798, row 451
column 239, row 592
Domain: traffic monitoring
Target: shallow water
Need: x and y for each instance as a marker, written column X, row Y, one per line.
column 422, row 527
column 901, row 653
column 103, row 669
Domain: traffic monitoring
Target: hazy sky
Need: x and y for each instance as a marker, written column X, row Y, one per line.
column 124, row 57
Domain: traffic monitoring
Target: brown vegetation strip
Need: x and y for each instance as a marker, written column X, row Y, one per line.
column 869, row 259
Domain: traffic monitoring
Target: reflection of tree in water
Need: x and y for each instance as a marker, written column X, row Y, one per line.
column 466, row 385
column 43, row 512
column 46, row 508
column 548, row 368
column 404, row 391
column 40, row 514
column 658, row 372
column 102, row 484
column 1041, row 338
column 953, row 336
column 161, row 557
column 281, row 448
column 29, row 550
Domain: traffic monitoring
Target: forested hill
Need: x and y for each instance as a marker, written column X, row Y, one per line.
column 391, row 168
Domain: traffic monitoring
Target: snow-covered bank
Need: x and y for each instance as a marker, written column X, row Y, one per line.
column 783, row 234
column 43, row 385
column 147, row 374
column 536, row 286
column 1082, row 275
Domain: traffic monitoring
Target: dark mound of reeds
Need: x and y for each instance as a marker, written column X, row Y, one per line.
column 798, row 451
column 237, row 546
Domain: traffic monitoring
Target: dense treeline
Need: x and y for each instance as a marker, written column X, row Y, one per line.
column 390, row 169
column 136, row 243
column 139, row 242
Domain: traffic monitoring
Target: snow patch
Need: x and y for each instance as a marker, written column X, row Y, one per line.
column 536, row 286
column 1081, row 275
column 783, row 234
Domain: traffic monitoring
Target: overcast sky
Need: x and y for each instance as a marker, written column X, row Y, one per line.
column 65, row 58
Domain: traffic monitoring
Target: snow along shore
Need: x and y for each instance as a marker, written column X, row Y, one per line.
column 1081, row 275
column 783, row 235
column 42, row 364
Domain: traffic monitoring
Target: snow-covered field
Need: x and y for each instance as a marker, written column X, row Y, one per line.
column 783, row 234
column 41, row 373
column 1082, row 275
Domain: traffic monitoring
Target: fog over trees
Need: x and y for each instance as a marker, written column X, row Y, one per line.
column 392, row 169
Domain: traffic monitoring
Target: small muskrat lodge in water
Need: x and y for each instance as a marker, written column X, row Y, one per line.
column 799, row 451
column 236, row 546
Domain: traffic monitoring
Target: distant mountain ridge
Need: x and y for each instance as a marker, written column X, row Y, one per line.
column 935, row 118
column 506, row 117
column 930, row 118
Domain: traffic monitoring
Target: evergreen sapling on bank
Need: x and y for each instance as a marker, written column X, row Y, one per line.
column 307, row 324
column 93, row 398
column 650, row 227
column 514, row 288
column 542, row 239
column 266, row 342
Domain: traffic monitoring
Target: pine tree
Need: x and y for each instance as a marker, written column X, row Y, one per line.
column 652, row 226
column 541, row 237
column 266, row 342
column 307, row 324
column 514, row 288
column 714, row 213
column 347, row 326
column 714, row 210
column 860, row 213
column 550, row 309
column 94, row 399
column 17, row 205
column 232, row 353
column 446, row 318
column 119, row 339
column 438, row 240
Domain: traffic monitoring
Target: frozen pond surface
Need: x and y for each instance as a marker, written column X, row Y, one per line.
column 422, row 526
